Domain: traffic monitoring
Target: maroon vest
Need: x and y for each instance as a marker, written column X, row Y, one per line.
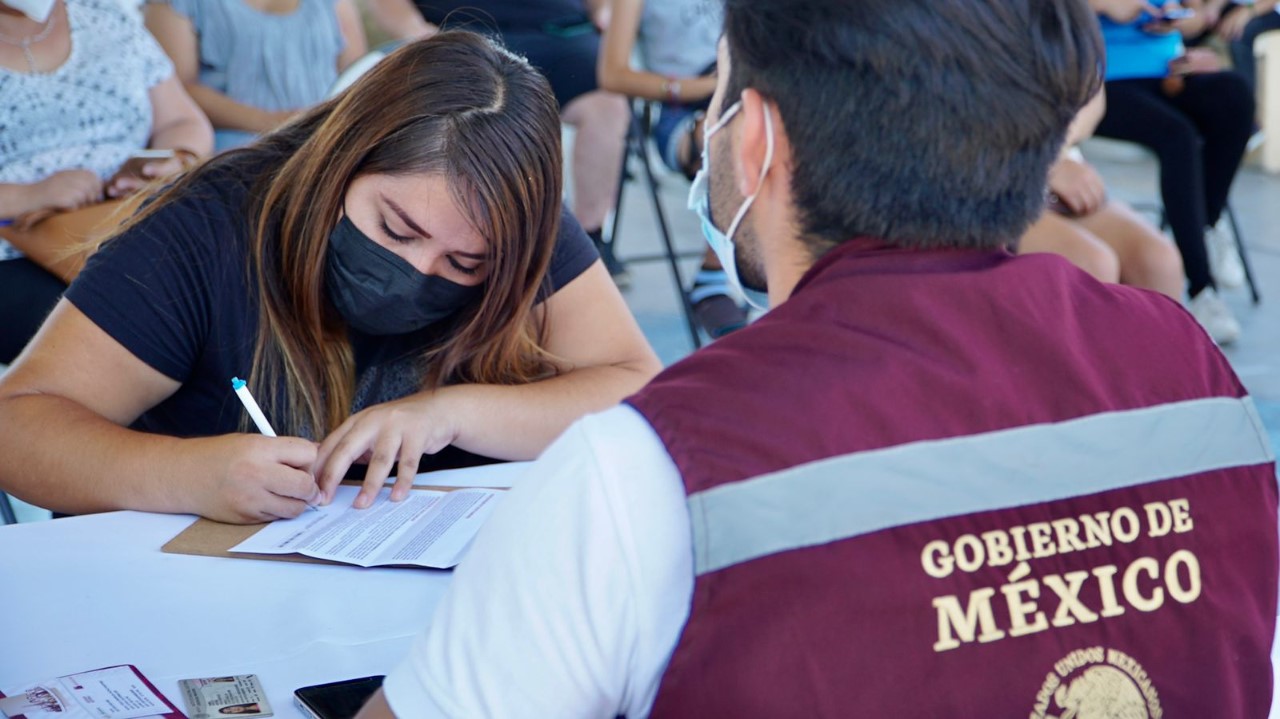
column 961, row 484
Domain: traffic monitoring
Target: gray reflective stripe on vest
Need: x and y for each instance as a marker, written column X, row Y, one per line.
column 846, row 496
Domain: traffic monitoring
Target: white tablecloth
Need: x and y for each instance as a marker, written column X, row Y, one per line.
column 95, row 591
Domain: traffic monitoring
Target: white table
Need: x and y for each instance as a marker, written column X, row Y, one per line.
column 95, row 591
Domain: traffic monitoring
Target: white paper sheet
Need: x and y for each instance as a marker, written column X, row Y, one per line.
column 426, row 529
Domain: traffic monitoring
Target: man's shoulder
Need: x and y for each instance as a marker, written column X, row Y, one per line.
column 618, row 454
column 616, row 433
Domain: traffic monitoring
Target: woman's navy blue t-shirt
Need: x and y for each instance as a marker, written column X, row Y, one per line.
column 175, row 292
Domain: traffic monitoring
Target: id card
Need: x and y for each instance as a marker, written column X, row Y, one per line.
column 239, row 695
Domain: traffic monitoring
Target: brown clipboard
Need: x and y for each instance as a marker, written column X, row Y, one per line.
column 207, row 538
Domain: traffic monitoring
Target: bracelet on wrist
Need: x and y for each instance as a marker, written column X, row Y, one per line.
column 671, row 88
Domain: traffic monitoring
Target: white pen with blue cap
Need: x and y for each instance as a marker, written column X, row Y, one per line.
column 250, row 404
column 255, row 412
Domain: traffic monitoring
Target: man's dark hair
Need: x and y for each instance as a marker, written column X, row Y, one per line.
column 926, row 123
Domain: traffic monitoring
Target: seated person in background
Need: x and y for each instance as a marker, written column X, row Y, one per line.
column 69, row 124
column 928, row 460
column 678, row 47
column 558, row 38
column 253, row 64
column 1197, row 120
column 1103, row 237
column 1239, row 24
column 390, row 272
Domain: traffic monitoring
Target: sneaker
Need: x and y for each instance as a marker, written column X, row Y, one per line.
column 1214, row 315
column 714, row 308
column 617, row 269
column 1224, row 258
column 1256, row 140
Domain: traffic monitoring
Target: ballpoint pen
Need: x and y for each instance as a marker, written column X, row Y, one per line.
column 255, row 413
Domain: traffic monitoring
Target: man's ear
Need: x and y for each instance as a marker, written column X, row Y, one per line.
column 753, row 142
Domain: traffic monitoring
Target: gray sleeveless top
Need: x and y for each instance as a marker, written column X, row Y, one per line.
column 678, row 37
column 272, row 62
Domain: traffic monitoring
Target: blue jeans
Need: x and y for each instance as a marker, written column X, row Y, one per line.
column 674, row 122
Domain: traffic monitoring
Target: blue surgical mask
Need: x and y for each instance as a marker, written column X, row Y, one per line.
column 700, row 202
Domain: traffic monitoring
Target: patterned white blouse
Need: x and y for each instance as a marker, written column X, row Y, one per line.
column 93, row 111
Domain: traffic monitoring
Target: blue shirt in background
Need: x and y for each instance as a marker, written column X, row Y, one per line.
column 1134, row 53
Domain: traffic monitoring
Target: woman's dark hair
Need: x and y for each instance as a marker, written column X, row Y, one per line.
column 455, row 105
column 926, row 123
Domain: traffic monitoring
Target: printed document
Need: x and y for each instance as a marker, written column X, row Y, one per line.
column 428, row 528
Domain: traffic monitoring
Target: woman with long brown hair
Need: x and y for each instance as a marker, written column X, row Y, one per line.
column 392, row 273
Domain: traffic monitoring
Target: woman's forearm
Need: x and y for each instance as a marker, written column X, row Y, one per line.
column 192, row 134
column 16, row 199
column 400, row 19
column 652, row 86
column 228, row 114
column 1086, row 121
column 613, row 64
column 519, row 422
column 61, row 456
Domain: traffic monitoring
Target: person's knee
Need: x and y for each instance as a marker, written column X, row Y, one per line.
column 1153, row 262
column 1147, row 258
column 1097, row 259
column 1057, row 235
column 1164, row 261
column 599, row 111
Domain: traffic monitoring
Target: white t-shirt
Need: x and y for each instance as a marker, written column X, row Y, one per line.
column 575, row 593
column 93, row 111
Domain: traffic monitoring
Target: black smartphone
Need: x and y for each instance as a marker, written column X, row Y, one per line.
column 336, row 700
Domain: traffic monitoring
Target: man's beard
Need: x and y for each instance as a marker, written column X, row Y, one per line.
column 725, row 204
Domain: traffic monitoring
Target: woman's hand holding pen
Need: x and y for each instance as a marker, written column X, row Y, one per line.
column 391, row 435
column 255, row 478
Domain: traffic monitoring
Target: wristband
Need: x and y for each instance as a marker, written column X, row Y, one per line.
column 671, row 87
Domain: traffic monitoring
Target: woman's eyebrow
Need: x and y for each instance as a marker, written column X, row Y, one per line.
column 404, row 217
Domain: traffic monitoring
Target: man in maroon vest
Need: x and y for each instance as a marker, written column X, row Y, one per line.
column 935, row 480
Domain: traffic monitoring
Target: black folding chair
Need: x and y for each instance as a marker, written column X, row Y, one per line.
column 1244, row 253
column 1230, row 212
column 1157, row 209
column 637, row 151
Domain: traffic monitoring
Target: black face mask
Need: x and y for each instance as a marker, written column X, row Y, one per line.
column 379, row 293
